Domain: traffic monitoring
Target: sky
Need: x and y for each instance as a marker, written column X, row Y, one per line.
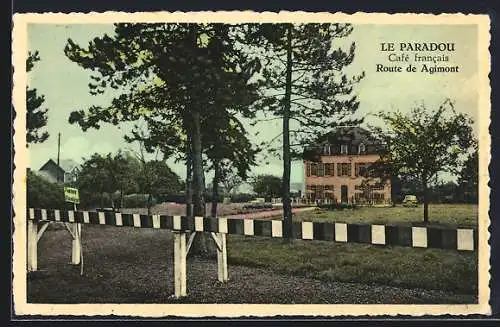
column 64, row 85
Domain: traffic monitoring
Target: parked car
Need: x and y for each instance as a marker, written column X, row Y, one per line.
column 410, row 201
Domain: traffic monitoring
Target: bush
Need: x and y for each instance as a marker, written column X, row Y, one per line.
column 209, row 198
column 90, row 200
column 242, row 198
column 258, row 206
column 136, row 201
column 43, row 194
column 176, row 198
column 337, row 206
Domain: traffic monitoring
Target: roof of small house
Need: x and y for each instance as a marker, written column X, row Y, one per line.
column 65, row 164
column 352, row 136
column 349, row 134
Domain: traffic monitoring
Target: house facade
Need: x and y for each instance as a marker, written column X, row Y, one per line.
column 65, row 172
column 338, row 169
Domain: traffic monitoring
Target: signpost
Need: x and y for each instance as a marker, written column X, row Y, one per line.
column 71, row 195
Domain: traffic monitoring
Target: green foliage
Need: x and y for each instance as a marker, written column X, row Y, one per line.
column 101, row 177
column 156, row 178
column 137, row 201
column 320, row 93
column 108, row 179
column 268, row 186
column 258, row 206
column 36, row 117
column 96, row 176
column 423, row 143
column 337, row 206
column 303, row 84
column 242, row 197
column 230, row 179
column 468, row 180
column 178, row 79
column 44, row 194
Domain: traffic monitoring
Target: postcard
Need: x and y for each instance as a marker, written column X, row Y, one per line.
column 251, row 164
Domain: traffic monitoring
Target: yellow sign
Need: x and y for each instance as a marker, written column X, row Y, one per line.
column 71, row 195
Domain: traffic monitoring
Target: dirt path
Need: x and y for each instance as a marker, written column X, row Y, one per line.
column 267, row 214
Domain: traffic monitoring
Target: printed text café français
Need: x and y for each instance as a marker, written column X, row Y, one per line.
column 414, row 57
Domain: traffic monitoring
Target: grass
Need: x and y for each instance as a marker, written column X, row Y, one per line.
column 361, row 263
column 454, row 215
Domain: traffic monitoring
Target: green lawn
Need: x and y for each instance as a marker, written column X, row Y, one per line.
column 463, row 215
column 397, row 266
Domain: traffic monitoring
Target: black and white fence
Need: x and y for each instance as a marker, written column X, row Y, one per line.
column 185, row 228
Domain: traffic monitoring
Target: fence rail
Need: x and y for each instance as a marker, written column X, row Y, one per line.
column 461, row 239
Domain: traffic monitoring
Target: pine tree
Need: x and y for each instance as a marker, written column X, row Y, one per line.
column 36, row 117
column 178, row 78
column 304, row 85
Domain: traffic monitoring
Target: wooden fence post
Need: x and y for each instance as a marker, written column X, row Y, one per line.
column 76, row 245
column 222, row 258
column 32, row 236
column 180, row 270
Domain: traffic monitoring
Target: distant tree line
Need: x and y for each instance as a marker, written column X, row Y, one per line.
column 124, row 180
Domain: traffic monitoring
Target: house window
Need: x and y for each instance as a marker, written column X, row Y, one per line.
column 361, row 148
column 321, row 169
column 344, row 169
column 343, row 149
column 308, row 169
column 319, row 192
column 314, row 169
column 329, row 167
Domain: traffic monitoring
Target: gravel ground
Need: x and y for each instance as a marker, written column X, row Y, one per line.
column 224, row 210
column 254, row 285
column 268, row 214
column 246, row 285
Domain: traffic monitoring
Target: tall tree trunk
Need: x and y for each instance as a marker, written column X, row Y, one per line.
column 200, row 244
column 121, row 198
column 198, row 173
column 287, row 205
column 426, row 202
column 189, row 176
column 149, row 204
column 215, row 188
